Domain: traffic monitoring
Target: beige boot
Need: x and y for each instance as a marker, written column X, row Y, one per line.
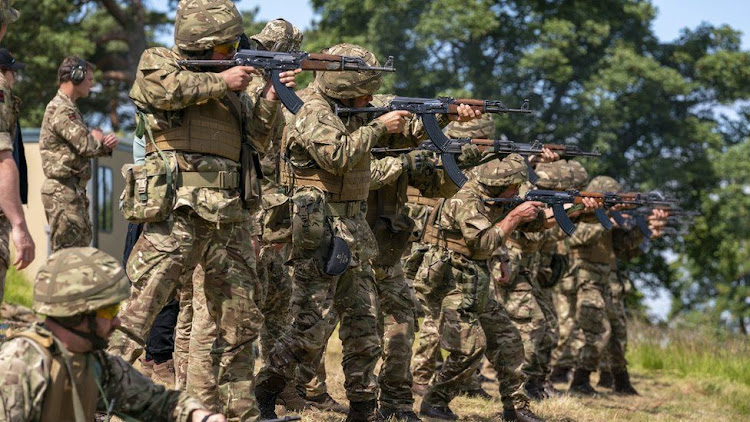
column 146, row 367
column 164, row 374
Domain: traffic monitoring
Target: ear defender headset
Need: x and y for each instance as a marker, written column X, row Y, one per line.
column 78, row 72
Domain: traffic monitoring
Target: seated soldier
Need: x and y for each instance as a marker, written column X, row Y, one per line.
column 79, row 291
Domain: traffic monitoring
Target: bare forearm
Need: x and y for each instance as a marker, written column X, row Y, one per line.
column 10, row 198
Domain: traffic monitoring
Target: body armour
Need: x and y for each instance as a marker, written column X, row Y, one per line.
column 210, row 128
column 453, row 240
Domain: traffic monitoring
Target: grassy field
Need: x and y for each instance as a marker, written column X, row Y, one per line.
column 17, row 289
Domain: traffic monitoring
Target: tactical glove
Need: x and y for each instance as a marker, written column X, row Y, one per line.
column 470, row 155
column 418, row 161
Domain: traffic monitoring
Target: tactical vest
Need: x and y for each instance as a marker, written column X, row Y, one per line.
column 414, row 196
column 453, row 240
column 388, row 200
column 60, row 399
column 601, row 251
column 211, row 128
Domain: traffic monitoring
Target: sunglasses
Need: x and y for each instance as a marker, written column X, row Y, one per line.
column 110, row 312
column 227, row 48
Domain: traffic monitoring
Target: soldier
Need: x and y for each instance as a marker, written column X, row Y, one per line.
column 198, row 121
column 58, row 370
column 10, row 204
column 592, row 258
column 11, row 212
column 463, row 233
column 66, row 145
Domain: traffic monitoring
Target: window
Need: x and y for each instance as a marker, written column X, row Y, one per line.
column 104, row 198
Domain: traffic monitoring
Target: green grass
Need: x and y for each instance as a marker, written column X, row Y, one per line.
column 17, row 289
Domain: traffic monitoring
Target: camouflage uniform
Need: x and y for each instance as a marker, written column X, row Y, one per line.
column 35, row 382
column 9, row 105
column 456, row 281
column 66, row 145
column 207, row 224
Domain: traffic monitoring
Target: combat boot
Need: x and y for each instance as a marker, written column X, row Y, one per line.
column 399, row 415
column 326, row 403
column 580, row 384
column 147, row 367
column 622, row 383
column 292, row 400
column 437, row 412
column 560, row 374
column 363, row 411
column 523, row 414
column 479, row 393
column 605, row 379
column 163, row 374
column 266, row 393
column 550, row 390
column 535, row 389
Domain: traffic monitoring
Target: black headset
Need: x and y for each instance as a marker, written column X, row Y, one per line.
column 78, row 72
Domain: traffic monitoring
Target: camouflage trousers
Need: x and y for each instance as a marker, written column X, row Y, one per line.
column 613, row 357
column 67, row 208
column 396, row 327
column 470, row 327
column 532, row 315
column 592, row 302
column 565, row 299
column 318, row 301
column 4, row 251
column 276, row 282
column 161, row 258
column 547, row 301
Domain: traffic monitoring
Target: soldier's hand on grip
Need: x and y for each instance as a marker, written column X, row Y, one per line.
column 394, row 120
column 527, row 211
column 465, row 114
column 238, row 77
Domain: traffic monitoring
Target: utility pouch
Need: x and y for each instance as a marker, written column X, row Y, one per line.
column 251, row 175
column 277, row 218
column 338, row 258
column 150, row 189
column 559, row 266
column 392, row 233
column 474, row 290
column 308, row 218
column 412, row 262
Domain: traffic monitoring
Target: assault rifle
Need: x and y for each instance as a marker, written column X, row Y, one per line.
column 499, row 147
column 277, row 62
column 427, row 109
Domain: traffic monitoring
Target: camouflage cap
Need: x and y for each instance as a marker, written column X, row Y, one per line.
column 482, row 128
column 279, row 35
column 350, row 84
column 76, row 281
column 580, row 175
column 7, row 13
column 510, row 171
column 603, row 184
column 202, row 24
column 557, row 175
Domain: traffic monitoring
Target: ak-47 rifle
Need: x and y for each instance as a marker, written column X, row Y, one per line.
column 427, row 109
column 553, row 198
column 277, row 62
column 499, row 147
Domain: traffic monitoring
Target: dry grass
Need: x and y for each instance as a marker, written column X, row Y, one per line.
column 666, row 395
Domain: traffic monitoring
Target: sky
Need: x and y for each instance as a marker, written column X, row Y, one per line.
column 672, row 16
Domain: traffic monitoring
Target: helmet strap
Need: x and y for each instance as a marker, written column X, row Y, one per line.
column 97, row 342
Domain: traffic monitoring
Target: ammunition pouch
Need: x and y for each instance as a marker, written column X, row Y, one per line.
column 150, row 192
column 308, row 218
column 392, row 233
column 474, row 289
column 277, row 220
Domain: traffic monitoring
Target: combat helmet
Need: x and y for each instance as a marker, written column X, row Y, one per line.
column 511, row 170
column 202, row 24
column 603, row 184
column 580, row 175
column 7, row 13
column 350, row 84
column 482, row 128
column 76, row 281
column 279, row 35
column 557, row 175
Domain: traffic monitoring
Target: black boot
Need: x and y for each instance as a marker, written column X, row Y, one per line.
column 399, row 415
column 580, row 384
column 479, row 393
column 266, row 393
column 437, row 412
column 622, row 383
column 363, row 411
column 523, row 414
column 326, row 403
column 560, row 374
column 605, row 379
column 535, row 389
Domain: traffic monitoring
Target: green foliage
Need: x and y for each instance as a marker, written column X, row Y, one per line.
column 17, row 289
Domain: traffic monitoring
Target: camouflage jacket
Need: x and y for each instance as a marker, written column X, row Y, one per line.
column 24, row 380
column 466, row 213
column 65, row 142
column 9, row 105
column 163, row 89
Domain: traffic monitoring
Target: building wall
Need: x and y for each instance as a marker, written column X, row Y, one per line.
column 111, row 237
